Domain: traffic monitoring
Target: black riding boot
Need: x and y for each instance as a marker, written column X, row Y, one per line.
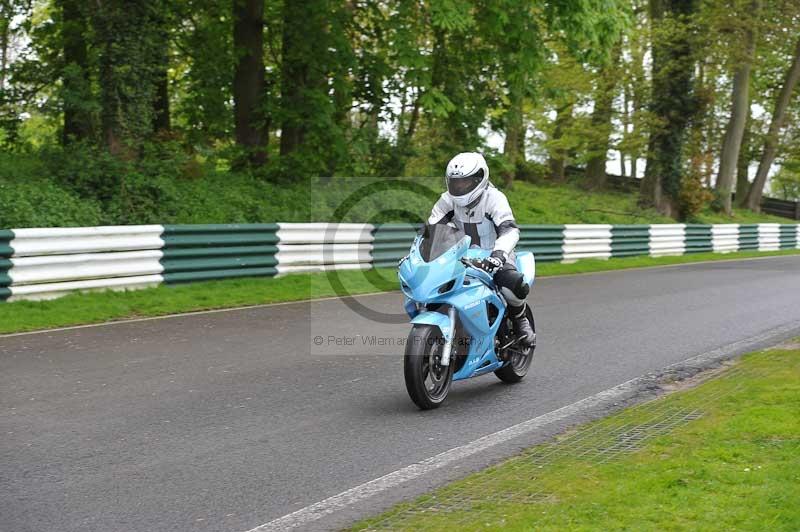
column 522, row 327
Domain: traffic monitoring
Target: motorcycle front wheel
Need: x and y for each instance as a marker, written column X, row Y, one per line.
column 427, row 381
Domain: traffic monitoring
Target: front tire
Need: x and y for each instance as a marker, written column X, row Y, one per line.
column 427, row 382
column 517, row 367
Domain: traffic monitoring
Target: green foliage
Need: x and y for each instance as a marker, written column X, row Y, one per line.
column 692, row 198
column 88, row 186
column 203, row 71
column 375, row 88
column 23, row 206
column 786, row 183
column 28, row 200
column 673, row 103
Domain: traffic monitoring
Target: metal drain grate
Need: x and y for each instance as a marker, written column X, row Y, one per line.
column 596, row 443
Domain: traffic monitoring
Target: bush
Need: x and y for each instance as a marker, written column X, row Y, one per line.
column 40, row 203
column 85, row 186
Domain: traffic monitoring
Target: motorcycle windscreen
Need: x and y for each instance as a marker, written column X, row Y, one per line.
column 437, row 239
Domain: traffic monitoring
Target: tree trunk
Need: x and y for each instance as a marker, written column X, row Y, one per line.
column 771, row 142
column 294, row 75
column 558, row 156
column 626, row 121
column 251, row 123
column 673, row 105
column 5, row 38
column 743, row 165
column 638, row 51
column 125, row 32
column 601, row 120
column 76, row 90
column 740, row 103
column 708, row 156
column 514, row 148
column 650, row 182
column 161, row 114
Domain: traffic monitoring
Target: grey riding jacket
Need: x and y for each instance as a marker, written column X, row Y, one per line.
column 489, row 222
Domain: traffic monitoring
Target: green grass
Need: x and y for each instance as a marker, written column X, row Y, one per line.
column 97, row 307
column 567, row 203
column 230, row 197
column 735, row 468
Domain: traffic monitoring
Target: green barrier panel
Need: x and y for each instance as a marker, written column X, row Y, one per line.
column 206, row 235
column 222, row 263
column 6, row 251
column 545, row 241
column 788, row 236
column 210, row 275
column 5, row 265
column 218, row 251
column 699, row 238
column 748, row 236
column 391, row 243
column 630, row 240
column 6, row 237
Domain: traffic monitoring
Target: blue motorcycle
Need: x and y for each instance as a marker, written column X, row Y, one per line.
column 460, row 327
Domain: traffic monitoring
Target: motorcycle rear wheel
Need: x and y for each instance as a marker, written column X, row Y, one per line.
column 516, row 368
column 427, row 381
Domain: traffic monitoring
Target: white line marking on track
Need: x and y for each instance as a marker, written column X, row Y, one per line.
column 185, row 314
column 332, row 504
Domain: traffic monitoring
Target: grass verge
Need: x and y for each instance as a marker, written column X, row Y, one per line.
column 97, row 307
column 724, row 455
column 546, row 203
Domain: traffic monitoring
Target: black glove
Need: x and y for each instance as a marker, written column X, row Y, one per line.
column 492, row 263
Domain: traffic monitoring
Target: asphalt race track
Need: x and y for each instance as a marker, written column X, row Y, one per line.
column 229, row 420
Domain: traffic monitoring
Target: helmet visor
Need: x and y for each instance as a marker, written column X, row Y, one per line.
column 463, row 185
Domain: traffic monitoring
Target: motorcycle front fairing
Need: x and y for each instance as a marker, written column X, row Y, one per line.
column 446, row 281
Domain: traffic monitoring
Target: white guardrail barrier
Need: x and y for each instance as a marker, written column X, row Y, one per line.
column 50, row 262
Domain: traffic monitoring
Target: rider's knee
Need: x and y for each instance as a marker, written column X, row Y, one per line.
column 513, row 281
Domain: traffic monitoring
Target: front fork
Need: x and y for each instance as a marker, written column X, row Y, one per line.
column 448, row 344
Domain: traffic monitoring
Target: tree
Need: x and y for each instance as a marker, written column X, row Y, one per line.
column 515, row 39
column 251, row 123
column 637, row 86
column 559, row 153
column 204, row 64
column 162, row 23
column 745, row 156
column 740, row 105
column 753, row 201
column 671, row 103
column 601, row 119
column 76, row 88
column 312, row 49
column 130, row 42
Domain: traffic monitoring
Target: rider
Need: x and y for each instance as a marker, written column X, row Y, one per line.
column 481, row 211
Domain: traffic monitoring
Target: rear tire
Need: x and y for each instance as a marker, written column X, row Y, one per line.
column 516, row 368
column 427, row 382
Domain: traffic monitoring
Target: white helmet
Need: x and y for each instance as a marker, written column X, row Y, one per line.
column 467, row 176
